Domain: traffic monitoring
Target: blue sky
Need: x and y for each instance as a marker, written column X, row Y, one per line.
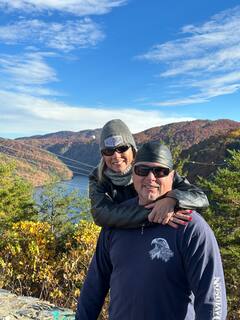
column 75, row 64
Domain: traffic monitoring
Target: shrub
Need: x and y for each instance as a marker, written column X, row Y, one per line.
column 31, row 263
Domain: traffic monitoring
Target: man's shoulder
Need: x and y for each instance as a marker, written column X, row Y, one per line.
column 197, row 218
column 198, row 224
column 104, row 236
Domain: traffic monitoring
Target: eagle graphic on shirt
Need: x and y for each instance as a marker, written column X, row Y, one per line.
column 161, row 250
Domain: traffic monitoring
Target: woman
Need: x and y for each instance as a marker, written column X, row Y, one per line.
column 110, row 184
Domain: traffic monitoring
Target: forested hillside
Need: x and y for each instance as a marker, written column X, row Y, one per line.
column 191, row 138
column 36, row 166
column 201, row 144
column 206, row 157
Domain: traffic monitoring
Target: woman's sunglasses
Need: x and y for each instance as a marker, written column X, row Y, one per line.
column 143, row 171
column 110, row 151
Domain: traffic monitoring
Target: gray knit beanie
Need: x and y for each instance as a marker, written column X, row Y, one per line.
column 116, row 133
column 155, row 152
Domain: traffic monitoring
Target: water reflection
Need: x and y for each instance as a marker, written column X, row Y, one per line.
column 78, row 184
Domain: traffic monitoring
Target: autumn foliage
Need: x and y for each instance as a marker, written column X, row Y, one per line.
column 31, row 264
column 42, row 252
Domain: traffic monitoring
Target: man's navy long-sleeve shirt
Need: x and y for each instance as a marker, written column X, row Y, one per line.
column 156, row 273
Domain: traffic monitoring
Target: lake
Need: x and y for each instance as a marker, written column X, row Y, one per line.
column 79, row 183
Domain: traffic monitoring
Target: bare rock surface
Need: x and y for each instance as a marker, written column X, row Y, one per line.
column 13, row 307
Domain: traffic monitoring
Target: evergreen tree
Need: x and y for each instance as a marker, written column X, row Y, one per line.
column 179, row 161
column 62, row 209
column 224, row 217
column 16, row 201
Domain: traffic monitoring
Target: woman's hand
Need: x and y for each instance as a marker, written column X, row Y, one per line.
column 162, row 210
column 180, row 217
column 163, row 213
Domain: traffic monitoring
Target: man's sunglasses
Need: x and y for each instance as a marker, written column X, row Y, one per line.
column 110, row 151
column 143, row 171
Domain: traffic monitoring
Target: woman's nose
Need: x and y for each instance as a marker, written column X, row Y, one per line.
column 116, row 154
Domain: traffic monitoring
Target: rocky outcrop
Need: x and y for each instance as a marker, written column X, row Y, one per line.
column 14, row 307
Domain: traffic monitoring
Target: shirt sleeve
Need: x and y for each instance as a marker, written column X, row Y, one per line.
column 188, row 196
column 204, row 270
column 96, row 284
column 107, row 213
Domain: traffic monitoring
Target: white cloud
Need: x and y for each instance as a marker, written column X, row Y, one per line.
column 26, row 69
column 179, row 102
column 27, row 73
column 208, row 88
column 205, row 58
column 218, row 81
column 28, row 115
column 76, row 7
column 61, row 36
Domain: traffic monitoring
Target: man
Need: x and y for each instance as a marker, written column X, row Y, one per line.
column 155, row 272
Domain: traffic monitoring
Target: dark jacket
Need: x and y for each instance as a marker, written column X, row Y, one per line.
column 105, row 195
column 154, row 273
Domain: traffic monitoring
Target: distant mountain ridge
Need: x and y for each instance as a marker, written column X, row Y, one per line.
column 83, row 136
column 187, row 133
column 195, row 138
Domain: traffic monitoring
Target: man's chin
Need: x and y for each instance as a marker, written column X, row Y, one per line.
column 151, row 196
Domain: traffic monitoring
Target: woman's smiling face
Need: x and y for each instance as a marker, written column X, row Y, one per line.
column 119, row 162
